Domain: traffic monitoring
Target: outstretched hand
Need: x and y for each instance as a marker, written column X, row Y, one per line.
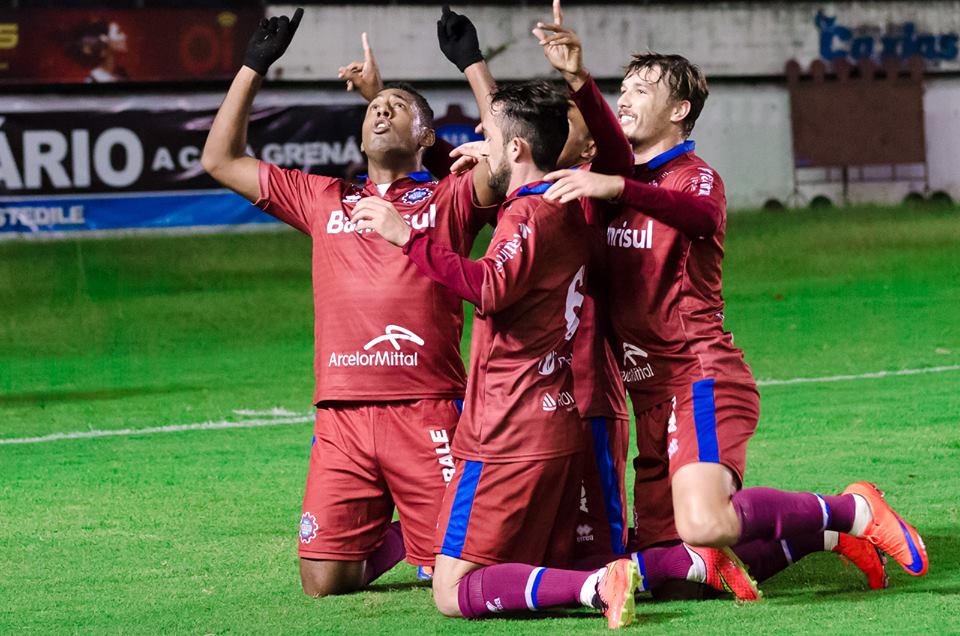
column 562, row 48
column 363, row 76
column 574, row 184
column 270, row 41
column 467, row 156
column 458, row 39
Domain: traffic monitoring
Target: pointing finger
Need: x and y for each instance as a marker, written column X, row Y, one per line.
column 295, row 20
column 365, row 42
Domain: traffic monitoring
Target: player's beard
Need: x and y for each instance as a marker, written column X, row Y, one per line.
column 500, row 178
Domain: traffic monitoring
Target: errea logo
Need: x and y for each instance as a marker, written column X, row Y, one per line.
column 584, row 533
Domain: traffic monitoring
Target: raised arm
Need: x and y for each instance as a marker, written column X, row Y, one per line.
column 224, row 153
column 460, row 44
column 562, row 48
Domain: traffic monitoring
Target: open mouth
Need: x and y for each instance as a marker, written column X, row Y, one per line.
column 381, row 126
column 627, row 119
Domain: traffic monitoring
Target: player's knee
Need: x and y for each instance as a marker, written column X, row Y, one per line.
column 320, row 579
column 705, row 528
column 445, row 598
column 446, row 591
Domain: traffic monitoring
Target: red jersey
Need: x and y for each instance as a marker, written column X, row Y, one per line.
column 382, row 330
column 597, row 384
column 664, row 291
column 519, row 403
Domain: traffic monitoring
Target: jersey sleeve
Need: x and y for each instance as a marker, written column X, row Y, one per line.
column 614, row 154
column 692, row 201
column 470, row 215
column 292, row 196
column 510, row 266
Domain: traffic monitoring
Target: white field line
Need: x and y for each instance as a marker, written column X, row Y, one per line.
column 861, row 376
column 173, row 428
column 283, row 416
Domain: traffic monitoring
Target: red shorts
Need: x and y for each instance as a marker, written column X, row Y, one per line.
column 602, row 518
column 365, row 458
column 705, row 421
column 517, row 512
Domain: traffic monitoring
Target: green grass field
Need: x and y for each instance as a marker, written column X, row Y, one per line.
column 195, row 531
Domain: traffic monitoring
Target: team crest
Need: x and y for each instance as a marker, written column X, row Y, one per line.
column 353, row 197
column 308, row 528
column 416, row 196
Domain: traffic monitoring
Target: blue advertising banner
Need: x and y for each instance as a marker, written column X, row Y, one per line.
column 94, row 171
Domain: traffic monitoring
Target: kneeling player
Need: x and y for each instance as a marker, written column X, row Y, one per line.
column 518, row 441
column 388, row 367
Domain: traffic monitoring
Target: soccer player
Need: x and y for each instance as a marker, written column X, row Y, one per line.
column 601, row 524
column 695, row 398
column 517, row 447
column 389, row 375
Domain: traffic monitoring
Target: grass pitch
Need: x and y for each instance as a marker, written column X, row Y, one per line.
column 195, row 531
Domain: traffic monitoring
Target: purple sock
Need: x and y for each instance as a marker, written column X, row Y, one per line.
column 517, row 586
column 390, row 552
column 766, row 558
column 766, row 513
column 662, row 563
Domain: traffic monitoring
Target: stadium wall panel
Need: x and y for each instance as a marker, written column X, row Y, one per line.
column 731, row 39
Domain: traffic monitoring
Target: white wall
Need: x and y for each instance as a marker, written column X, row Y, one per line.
column 732, row 38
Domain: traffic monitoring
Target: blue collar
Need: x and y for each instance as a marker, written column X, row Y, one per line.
column 673, row 153
column 527, row 190
column 421, row 176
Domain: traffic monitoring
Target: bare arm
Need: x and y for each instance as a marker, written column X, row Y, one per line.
column 224, row 154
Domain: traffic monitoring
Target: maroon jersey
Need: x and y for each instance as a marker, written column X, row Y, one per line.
column 519, row 403
column 596, row 378
column 664, row 294
column 382, row 330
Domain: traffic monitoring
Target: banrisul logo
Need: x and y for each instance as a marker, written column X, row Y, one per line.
column 902, row 40
column 374, row 354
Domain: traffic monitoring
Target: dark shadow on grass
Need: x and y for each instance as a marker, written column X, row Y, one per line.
column 44, row 397
column 396, row 587
column 944, row 553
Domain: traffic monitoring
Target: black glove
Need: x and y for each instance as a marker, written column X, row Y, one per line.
column 270, row 40
column 458, row 39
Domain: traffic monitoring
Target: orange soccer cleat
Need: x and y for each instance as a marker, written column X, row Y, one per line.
column 889, row 532
column 727, row 573
column 616, row 592
column 865, row 556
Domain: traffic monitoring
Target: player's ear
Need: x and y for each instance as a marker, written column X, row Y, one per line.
column 517, row 148
column 428, row 137
column 589, row 152
column 680, row 111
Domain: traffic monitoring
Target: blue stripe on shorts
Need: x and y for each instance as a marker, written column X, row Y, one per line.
column 456, row 532
column 705, row 419
column 607, row 470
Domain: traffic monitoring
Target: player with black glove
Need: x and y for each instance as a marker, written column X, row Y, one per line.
column 458, row 39
column 270, row 40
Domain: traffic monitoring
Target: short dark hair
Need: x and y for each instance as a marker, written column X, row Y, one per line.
column 535, row 111
column 685, row 80
column 419, row 102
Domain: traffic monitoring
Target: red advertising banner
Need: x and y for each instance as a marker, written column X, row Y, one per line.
column 73, row 46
